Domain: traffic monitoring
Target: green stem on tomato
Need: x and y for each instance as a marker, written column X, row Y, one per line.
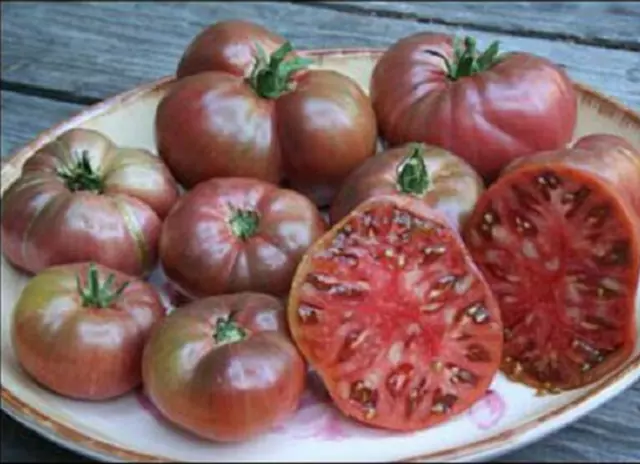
column 244, row 223
column 81, row 176
column 94, row 295
column 466, row 60
column 271, row 76
column 412, row 176
column 228, row 331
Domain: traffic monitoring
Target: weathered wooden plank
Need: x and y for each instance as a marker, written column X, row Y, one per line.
column 24, row 117
column 99, row 49
column 608, row 24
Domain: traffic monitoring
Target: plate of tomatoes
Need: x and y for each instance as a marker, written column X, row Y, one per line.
column 428, row 252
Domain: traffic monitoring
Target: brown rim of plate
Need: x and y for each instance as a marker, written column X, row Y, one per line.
column 80, row 442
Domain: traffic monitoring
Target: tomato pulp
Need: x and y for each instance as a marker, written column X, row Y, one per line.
column 392, row 313
column 558, row 239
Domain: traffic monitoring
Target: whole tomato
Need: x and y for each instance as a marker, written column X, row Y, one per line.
column 278, row 121
column 80, row 330
column 440, row 179
column 237, row 234
column 224, row 367
column 82, row 198
column 485, row 107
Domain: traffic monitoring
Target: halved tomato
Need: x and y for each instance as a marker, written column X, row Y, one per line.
column 392, row 313
column 558, row 239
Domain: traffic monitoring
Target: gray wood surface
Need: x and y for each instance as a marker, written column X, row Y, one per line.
column 93, row 50
column 57, row 58
column 604, row 24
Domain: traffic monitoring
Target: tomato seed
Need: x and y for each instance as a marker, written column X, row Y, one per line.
column 364, row 395
column 463, row 376
column 431, row 307
column 529, row 249
column 443, row 403
column 308, row 314
column 548, row 179
column 478, row 313
column 525, row 227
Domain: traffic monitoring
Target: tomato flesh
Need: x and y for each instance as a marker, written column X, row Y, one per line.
column 560, row 253
column 394, row 316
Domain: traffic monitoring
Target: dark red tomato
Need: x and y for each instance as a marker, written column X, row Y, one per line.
column 229, row 46
column 558, row 239
column 440, row 179
column 393, row 314
column 224, row 368
column 487, row 108
column 82, row 198
column 237, row 234
column 80, row 330
column 312, row 127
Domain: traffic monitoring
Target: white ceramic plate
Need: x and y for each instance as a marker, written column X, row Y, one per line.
column 127, row 429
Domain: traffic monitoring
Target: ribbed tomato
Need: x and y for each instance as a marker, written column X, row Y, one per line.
column 82, row 198
column 80, row 330
column 237, row 234
column 393, row 314
column 484, row 107
column 224, row 368
column 558, row 239
column 273, row 121
column 438, row 178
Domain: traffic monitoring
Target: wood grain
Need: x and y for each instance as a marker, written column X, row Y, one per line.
column 605, row 24
column 24, row 117
column 100, row 49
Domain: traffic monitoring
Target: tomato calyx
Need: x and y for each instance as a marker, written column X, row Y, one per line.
column 413, row 177
column 466, row 60
column 95, row 295
column 80, row 176
column 271, row 76
column 244, row 223
column 228, row 331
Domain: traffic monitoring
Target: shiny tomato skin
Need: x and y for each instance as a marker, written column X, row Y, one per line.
column 228, row 46
column 218, row 120
column 326, row 129
column 46, row 223
column 558, row 239
column 391, row 312
column 213, row 125
column 521, row 105
column 85, row 353
column 224, row 392
column 454, row 186
column 202, row 256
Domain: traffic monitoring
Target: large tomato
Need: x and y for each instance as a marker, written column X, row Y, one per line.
column 80, row 330
column 558, row 239
column 441, row 180
column 82, row 198
column 237, row 234
column 312, row 127
column 487, row 108
column 393, row 314
column 224, row 367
